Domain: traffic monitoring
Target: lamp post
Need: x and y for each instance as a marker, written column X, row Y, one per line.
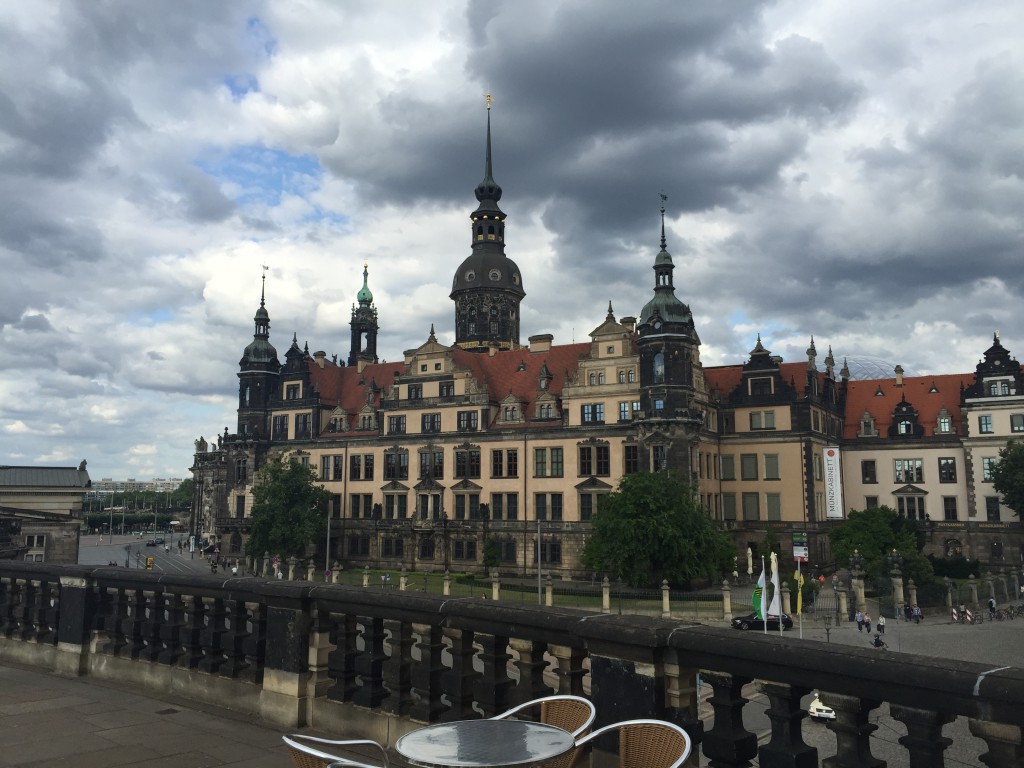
column 828, row 628
column 835, row 594
column 856, row 574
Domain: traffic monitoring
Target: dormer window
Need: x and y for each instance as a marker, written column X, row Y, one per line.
column 291, row 391
column 761, row 386
column 905, row 428
column 867, row 425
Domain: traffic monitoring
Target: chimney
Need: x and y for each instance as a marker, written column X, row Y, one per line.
column 541, row 342
column 361, row 363
column 629, row 323
column 320, row 357
column 899, row 375
column 492, row 351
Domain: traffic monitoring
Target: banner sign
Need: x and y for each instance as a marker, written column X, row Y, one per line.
column 800, row 546
column 833, row 483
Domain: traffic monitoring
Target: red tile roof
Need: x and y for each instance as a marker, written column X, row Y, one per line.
column 879, row 397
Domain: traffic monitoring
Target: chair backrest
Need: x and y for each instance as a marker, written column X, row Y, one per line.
column 574, row 714
column 647, row 743
column 310, row 752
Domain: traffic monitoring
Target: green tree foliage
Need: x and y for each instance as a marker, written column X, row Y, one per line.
column 1008, row 476
column 288, row 511
column 875, row 533
column 654, row 528
column 491, row 553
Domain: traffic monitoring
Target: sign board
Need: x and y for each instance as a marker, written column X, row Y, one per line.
column 800, row 546
column 833, row 483
column 149, row 563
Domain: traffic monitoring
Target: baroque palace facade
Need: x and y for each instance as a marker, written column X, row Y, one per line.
column 429, row 458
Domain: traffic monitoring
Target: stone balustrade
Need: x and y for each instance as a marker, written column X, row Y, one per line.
column 376, row 663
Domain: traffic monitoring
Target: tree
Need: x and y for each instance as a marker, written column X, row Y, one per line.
column 1008, row 475
column 652, row 528
column 288, row 511
column 875, row 532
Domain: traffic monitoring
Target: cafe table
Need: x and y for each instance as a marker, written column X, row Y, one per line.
column 484, row 744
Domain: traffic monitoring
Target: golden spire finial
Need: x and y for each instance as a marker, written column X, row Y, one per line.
column 490, row 100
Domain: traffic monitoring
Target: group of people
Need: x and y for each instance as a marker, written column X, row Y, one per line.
column 912, row 613
column 863, row 619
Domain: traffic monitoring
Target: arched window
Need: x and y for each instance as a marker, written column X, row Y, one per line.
column 659, row 367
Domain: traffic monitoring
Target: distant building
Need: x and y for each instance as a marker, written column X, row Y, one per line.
column 429, row 458
column 41, row 511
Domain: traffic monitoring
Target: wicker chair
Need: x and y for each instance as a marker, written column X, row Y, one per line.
column 571, row 713
column 308, row 751
column 647, row 743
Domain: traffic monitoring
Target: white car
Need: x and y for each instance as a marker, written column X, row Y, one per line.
column 819, row 711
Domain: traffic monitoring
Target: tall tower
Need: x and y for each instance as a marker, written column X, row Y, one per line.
column 257, row 375
column 487, row 288
column 364, row 326
column 669, row 354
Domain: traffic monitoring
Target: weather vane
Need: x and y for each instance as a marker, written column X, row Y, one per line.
column 489, row 100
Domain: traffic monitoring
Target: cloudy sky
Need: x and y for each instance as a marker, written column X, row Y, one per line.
column 851, row 171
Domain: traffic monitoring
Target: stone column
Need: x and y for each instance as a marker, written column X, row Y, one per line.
column 786, row 748
column 77, row 611
column 292, row 564
column 666, row 609
column 912, row 590
column 495, row 585
column 897, row 591
column 844, row 603
column 366, row 576
column 606, row 596
column 446, row 588
column 266, row 565
column 785, row 598
column 728, row 743
column 1004, row 743
column 972, row 584
column 549, row 592
column 853, row 732
column 924, row 740
column 726, row 600
column 403, row 580
column 310, row 570
column 335, row 572
column 287, row 682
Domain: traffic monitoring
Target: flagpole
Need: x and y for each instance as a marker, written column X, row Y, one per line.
column 764, row 597
column 799, row 598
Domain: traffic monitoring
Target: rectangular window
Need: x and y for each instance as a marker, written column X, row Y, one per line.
column 302, row 421
column 540, row 506
column 415, row 391
column 985, row 424
column 325, row 467
column 762, row 419
column 467, row 421
column 624, row 411
column 546, row 504
column 728, row 506
column 396, row 425
column 987, row 465
column 335, row 505
column 497, row 506
column 368, row 466
column 280, row 428
column 396, row 466
column 945, row 424
column 1017, row 422
column 239, row 506
column 291, row 391
column 507, row 551
column 431, row 465
column 750, row 507
column 592, row 413
column 556, row 506
column 992, row 509
column 908, row 470
column 355, row 464
column 949, row 512
column 586, row 460
column 659, row 458
column 604, row 461
column 241, row 470
column 947, row 470
column 586, row 507
column 551, row 552
column 748, row 466
column 467, row 464
column 728, row 467
column 773, row 506
column 511, row 506
column 771, row 467
column 557, row 462
column 446, row 389
column 540, row 462
column 870, row 502
column 497, row 463
column 868, row 476
column 911, row 507
column 431, row 422
column 631, row 459
column 512, row 462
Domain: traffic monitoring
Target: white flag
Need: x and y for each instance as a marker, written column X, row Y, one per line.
column 775, row 607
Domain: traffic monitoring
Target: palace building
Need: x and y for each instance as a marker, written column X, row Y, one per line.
column 490, row 439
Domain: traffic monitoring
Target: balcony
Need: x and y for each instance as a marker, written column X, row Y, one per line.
column 363, row 662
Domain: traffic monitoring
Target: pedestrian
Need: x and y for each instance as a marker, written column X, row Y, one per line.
column 878, row 642
column 859, row 618
column 918, row 616
column 992, row 607
column 867, row 622
column 881, row 625
column 907, row 611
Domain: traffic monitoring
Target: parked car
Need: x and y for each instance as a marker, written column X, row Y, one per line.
column 818, row 711
column 154, row 542
column 751, row 621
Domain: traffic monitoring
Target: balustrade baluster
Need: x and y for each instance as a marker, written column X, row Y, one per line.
column 341, row 662
column 492, row 687
column 9, row 597
column 212, row 636
column 786, row 748
column 254, row 644
column 462, row 676
column 134, row 623
column 192, row 631
column 369, row 664
column 154, row 619
column 49, row 612
column 569, row 668
column 28, row 608
column 115, row 620
column 236, row 632
column 1004, row 743
column 398, row 668
column 924, row 740
column 728, row 743
column 171, row 629
column 427, row 673
column 853, row 732
column 531, row 665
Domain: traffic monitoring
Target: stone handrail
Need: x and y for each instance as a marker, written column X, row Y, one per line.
column 372, row 663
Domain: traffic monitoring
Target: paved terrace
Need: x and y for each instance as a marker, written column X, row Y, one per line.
column 97, row 720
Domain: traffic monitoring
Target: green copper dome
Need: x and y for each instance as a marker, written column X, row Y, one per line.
column 365, row 296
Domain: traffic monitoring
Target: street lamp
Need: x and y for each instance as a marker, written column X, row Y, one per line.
column 828, row 628
column 895, row 561
column 835, row 594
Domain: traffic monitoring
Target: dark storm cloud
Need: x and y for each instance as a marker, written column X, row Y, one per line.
column 43, row 237
column 34, row 323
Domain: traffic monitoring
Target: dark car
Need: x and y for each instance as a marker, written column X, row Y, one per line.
column 154, row 542
column 751, row 621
